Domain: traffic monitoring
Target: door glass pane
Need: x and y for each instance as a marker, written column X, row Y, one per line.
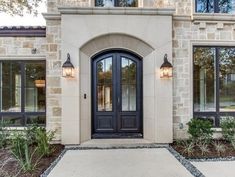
column 104, row 84
column 132, row 97
column 10, row 87
column 125, row 93
column 128, row 84
column 35, row 92
column 204, row 79
column 227, row 79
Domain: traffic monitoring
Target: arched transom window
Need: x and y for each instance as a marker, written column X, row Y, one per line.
column 116, row 3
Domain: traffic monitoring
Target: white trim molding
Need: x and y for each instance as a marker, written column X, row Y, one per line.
column 116, row 11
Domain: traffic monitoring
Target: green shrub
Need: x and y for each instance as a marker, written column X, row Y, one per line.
column 228, row 129
column 4, row 134
column 30, row 133
column 43, row 139
column 23, row 152
column 200, row 129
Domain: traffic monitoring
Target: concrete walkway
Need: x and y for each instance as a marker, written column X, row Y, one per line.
column 216, row 169
column 156, row 162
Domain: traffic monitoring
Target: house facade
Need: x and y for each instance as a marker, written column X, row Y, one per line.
column 117, row 49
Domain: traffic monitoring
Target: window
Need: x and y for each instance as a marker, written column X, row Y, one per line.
column 215, row 6
column 116, row 3
column 214, row 82
column 22, row 92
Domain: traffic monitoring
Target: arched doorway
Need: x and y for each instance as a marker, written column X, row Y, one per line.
column 117, row 95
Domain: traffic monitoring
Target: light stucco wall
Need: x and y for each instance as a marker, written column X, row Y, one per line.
column 157, row 92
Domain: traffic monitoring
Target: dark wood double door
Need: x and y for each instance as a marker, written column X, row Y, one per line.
column 117, row 95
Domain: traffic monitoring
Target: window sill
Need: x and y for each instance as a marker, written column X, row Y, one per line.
column 116, row 11
column 16, row 128
column 217, row 130
column 20, row 128
column 213, row 17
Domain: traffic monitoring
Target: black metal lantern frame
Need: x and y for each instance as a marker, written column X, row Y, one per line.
column 68, row 68
column 166, row 68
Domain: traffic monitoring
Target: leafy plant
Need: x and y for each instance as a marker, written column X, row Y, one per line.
column 179, row 142
column 43, row 139
column 219, row 147
column 18, row 7
column 200, row 129
column 203, row 148
column 233, row 144
column 31, row 133
column 23, row 152
column 4, row 134
column 228, row 129
column 188, row 147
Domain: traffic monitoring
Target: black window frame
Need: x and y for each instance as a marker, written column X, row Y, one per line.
column 116, row 4
column 216, row 114
column 23, row 113
column 216, row 8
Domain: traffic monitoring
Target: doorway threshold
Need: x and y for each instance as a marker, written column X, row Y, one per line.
column 119, row 143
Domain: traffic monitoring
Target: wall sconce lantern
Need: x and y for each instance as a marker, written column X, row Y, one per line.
column 68, row 68
column 166, row 68
column 40, row 83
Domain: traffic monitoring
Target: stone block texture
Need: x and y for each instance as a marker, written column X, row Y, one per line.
column 186, row 32
column 54, row 64
column 22, row 45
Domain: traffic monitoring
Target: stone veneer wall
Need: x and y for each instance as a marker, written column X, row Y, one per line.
column 49, row 47
column 185, row 31
column 185, row 35
column 12, row 46
column 54, row 63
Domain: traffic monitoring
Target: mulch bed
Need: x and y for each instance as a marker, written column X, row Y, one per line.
column 229, row 152
column 11, row 167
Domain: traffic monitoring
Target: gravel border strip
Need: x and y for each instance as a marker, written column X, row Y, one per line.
column 53, row 164
column 124, row 146
column 220, row 159
column 186, row 163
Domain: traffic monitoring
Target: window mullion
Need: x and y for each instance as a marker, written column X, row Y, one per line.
column 1, row 89
column 217, row 87
column 116, row 3
column 216, row 6
column 22, row 67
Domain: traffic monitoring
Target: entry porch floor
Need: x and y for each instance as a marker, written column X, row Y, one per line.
column 144, row 162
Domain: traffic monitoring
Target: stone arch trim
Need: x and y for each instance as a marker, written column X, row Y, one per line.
column 117, row 41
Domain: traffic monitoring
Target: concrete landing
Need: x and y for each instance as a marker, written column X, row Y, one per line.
column 157, row 162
